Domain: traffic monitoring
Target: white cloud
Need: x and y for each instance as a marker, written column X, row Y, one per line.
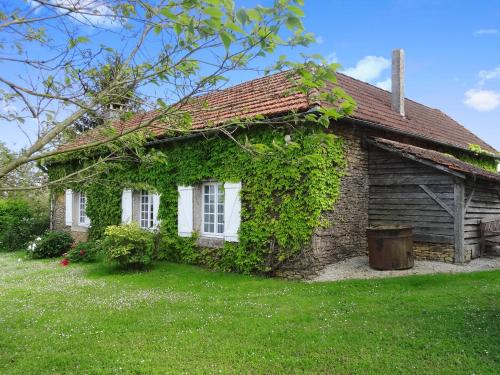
column 486, row 75
column 92, row 12
column 331, row 58
column 7, row 108
column 482, row 100
column 369, row 68
column 385, row 84
column 485, row 32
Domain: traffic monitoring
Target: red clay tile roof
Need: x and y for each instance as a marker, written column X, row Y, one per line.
column 270, row 96
column 374, row 105
column 436, row 157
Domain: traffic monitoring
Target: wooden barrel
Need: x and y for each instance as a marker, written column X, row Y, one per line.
column 390, row 247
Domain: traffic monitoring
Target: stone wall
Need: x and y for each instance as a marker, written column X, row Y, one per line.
column 345, row 236
column 58, row 212
column 433, row 251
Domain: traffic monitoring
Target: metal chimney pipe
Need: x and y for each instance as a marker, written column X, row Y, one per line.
column 398, row 82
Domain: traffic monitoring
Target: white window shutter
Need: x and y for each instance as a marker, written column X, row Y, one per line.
column 126, row 206
column 69, row 207
column 156, row 206
column 232, row 211
column 185, row 211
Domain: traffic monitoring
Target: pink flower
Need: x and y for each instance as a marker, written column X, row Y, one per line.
column 64, row 262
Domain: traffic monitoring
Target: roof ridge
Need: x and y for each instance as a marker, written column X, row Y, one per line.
column 266, row 95
column 386, row 91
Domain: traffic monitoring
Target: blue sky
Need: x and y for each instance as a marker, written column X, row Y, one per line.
column 452, row 53
column 448, row 44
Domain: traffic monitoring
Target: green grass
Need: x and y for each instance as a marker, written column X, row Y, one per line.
column 93, row 319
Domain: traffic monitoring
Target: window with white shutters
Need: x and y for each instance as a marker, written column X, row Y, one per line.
column 147, row 219
column 213, row 209
column 68, row 214
column 82, row 209
column 185, row 218
column 232, row 210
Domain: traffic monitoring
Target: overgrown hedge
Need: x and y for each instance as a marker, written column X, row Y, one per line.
column 286, row 187
column 20, row 222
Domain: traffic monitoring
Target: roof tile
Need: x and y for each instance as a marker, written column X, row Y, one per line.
column 271, row 95
column 447, row 161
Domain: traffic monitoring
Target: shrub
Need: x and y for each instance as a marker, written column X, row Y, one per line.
column 50, row 245
column 84, row 252
column 20, row 223
column 129, row 245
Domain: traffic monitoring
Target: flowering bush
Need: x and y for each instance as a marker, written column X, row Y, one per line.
column 128, row 245
column 83, row 252
column 64, row 262
column 50, row 245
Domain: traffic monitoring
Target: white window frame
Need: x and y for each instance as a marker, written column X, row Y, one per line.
column 146, row 210
column 218, row 187
column 83, row 219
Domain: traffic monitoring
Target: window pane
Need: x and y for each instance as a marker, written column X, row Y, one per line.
column 209, row 208
column 82, row 206
column 146, row 213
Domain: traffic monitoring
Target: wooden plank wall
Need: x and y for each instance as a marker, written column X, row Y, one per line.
column 484, row 203
column 397, row 198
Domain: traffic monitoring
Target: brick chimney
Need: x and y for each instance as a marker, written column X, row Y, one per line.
column 398, row 81
column 113, row 111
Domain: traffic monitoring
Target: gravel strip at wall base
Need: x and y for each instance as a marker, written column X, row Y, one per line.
column 358, row 268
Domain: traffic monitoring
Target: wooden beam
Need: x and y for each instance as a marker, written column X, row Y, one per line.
column 431, row 194
column 469, row 198
column 395, row 179
column 415, row 158
column 459, row 190
column 433, row 238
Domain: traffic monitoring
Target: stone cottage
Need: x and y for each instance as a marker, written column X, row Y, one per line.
column 406, row 164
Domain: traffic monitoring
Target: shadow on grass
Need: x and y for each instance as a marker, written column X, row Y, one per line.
column 100, row 268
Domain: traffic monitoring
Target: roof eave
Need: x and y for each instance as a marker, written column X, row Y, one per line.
column 379, row 126
column 416, row 158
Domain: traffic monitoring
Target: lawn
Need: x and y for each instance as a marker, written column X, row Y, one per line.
column 93, row 319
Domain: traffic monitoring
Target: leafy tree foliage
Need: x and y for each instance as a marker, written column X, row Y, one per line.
column 167, row 52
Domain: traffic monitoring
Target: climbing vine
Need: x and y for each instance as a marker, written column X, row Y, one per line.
column 289, row 177
column 479, row 158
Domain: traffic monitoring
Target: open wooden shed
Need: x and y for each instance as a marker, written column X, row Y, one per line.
column 442, row 198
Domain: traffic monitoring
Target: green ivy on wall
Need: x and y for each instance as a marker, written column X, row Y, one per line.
column 286, row 185
column 479, row 158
